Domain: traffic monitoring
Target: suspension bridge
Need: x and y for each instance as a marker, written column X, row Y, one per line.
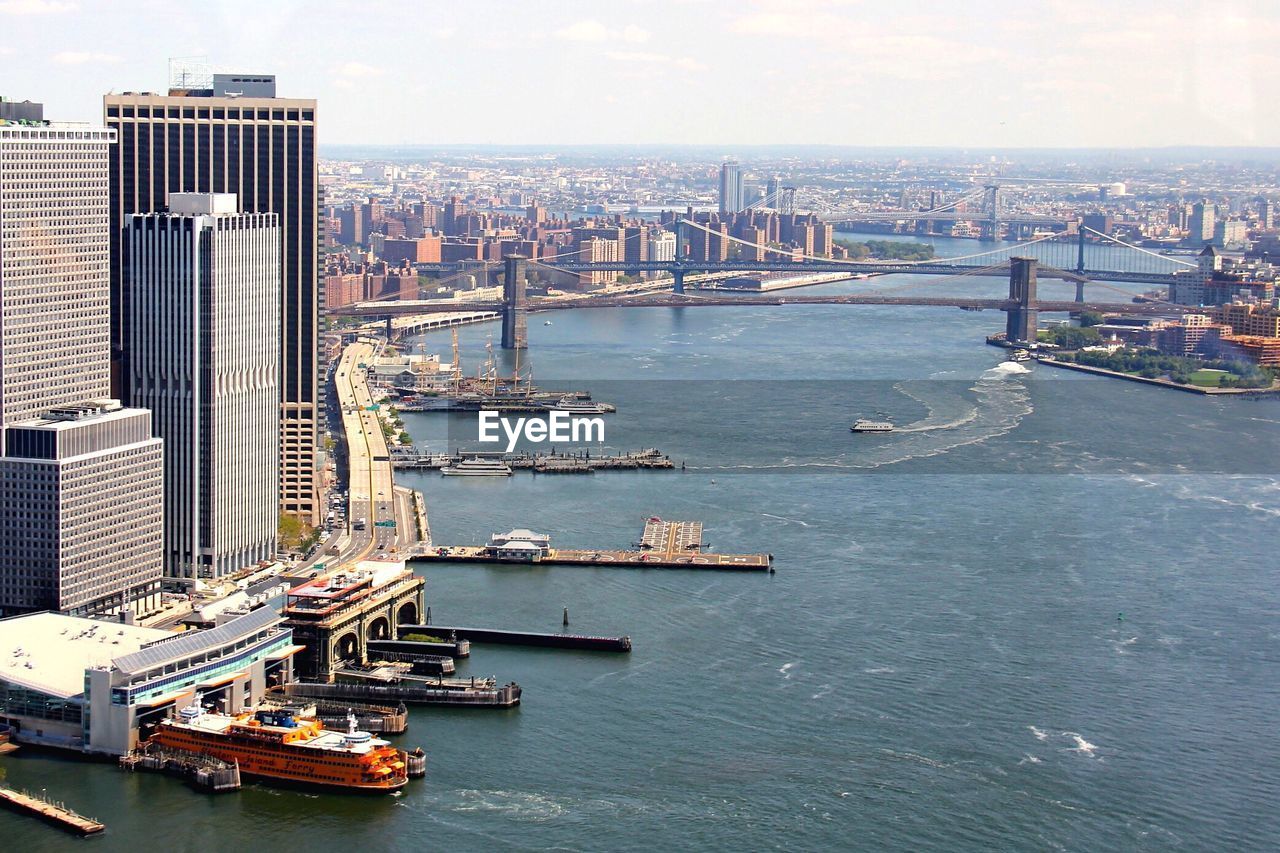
column 1092, row 260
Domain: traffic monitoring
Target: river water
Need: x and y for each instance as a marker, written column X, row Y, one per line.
column 1042, row 615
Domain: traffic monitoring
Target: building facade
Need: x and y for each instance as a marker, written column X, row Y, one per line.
column 203, row 284
column 662, row 246
column 54, row 266
column 96, row 687
column 263, row 149
column 732, row 195
column 80, row 512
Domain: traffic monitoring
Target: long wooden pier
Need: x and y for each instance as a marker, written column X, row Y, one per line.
column 54, row 813
column 663, row 545
column 552, row 462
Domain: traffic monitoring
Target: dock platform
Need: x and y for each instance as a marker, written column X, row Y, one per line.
column 411, row 693
column 580, row 642
column 663, row 545
column 55, row 813
column 551, row 462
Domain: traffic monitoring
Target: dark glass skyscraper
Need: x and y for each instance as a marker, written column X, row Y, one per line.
column 263, row 149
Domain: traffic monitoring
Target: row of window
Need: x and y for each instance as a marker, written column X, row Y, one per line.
column 213, row 113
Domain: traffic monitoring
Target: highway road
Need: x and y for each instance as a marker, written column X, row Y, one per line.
column 371, row 493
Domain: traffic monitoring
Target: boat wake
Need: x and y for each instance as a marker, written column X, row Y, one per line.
column 999, row 403
column 956, row 415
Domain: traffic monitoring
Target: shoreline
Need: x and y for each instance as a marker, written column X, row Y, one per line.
column 1163, row 383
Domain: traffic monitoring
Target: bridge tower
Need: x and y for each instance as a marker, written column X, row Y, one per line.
column 993, row 214
column 1080, row 267
column 1022, row 318
column 515, row 331
column 677, row 272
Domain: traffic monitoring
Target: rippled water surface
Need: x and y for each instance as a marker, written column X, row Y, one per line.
column 1042, row 615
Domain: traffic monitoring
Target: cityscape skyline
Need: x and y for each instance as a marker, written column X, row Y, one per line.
column 830, row 72
column 280, row 493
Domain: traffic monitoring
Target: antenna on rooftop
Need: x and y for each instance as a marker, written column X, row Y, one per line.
column 190, row 72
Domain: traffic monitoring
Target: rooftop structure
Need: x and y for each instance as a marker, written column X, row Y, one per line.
column 49, row 652
column 21, row 111
column 520, row 542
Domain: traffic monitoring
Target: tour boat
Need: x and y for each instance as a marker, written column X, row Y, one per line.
column 577, row 406
column 275, row 744
column 871, row 426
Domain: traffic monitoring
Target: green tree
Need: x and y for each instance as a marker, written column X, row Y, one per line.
column 1070, row 337
column 293, row 534
column 1090, row 318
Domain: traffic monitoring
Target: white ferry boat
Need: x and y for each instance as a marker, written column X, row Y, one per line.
column 871, row 426
column 477, row 467
column 578, row 406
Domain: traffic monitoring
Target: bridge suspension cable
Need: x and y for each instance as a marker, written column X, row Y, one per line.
column 852, row 262
column 1138, row 248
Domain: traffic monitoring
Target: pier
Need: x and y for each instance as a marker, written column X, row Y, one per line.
column 580, row 642
column 203, row 771
column 550, row 462
column 419, row 648
column 662, row 545
column 411, row 693
column 54, row 813
column 378, row 719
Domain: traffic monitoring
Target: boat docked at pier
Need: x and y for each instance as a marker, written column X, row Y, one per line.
column 864, row 425
column 273, row 743
column 477, row 467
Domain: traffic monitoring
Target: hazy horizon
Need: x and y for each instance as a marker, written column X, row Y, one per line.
column 780, row 73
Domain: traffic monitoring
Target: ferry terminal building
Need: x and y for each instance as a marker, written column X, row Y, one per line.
column 90, row 685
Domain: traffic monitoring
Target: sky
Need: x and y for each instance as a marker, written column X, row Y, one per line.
column 983, row 73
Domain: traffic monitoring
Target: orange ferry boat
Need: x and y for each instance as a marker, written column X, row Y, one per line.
column 275, row 744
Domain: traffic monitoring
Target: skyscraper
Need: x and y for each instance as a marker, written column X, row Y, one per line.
column 230, row 134
column 53, row 265
column 1200, row 224
column 80, row 476
column 203, row 283
column 731, row 194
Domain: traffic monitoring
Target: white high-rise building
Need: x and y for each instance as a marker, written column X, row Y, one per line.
column 80, row 512
column 80, row 477
column 732, row 197
column 662, row 246
column 204, row 294
column 54, row 267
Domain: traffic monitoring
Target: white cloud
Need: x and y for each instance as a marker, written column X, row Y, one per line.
column 35, row 7
column 593, row 31
column 359, row 70
column 636, row 57
column 444, row 32
column 84, row 57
